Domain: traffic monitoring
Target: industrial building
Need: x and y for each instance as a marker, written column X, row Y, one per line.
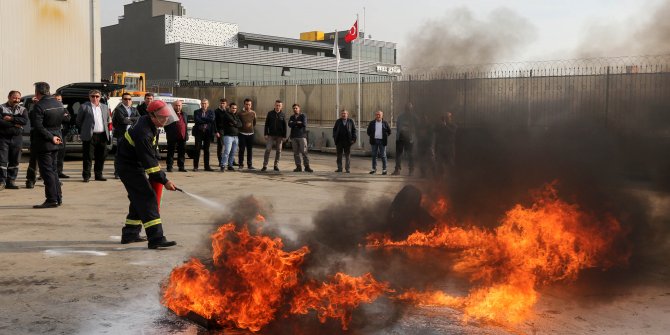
column 174, row 49
column 48, row 40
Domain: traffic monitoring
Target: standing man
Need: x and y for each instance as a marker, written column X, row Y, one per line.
column 219, row 115
column 444, row 144
column 275, row 133
column 246, row 136
column 203, row 130
column 46, row 118
column 404, row 140
column 137, row 159
column 65, row 129
column 92, row 120
column 177, row 135
column 231, row 129
column 124, row 116
column 142, row 108
column 298, row 124
column 344, row 135
column 13, row 117
column 379, row 131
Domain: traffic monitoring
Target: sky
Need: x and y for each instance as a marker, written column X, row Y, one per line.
column 559, row 28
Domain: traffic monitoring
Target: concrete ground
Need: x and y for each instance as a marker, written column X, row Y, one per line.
column 64, row 271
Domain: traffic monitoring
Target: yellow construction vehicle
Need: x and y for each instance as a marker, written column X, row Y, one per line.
column 135, row 83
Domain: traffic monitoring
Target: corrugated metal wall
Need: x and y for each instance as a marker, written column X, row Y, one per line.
column 48, row 40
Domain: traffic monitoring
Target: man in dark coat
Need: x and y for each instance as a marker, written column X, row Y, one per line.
column 344, row 135
column 218, row 116
column 230, row 130
column 203, row 130
column 379, row 131
column 405, row 135
column 177, row 135
column 138, row 159
column 298, row 124
column 444, row 144
column 275, row 132
column 12, row 119
column 46, row 118
column 142, row 108
column 124, row 116
column 93, row 123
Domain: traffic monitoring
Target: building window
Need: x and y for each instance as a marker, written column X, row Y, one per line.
column 283, row 49
column 321, row 53
column 271, row 48
column 255, row 46
column 297, row 51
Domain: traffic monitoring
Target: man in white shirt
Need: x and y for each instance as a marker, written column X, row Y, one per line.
column 93, row 123
column 379, row 131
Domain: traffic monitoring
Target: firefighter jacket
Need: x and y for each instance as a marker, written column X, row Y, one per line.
column 18, row 119
column 137, row 149
column 46, row 120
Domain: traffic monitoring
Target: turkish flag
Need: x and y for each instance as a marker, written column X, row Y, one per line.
column 353, row 33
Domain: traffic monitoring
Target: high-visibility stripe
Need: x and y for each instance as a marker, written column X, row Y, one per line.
column 153, row 169
column 152, row 223
column 133, row 222
column 129, row 139
column 154, row 141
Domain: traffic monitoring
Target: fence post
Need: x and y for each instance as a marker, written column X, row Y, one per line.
column 465, row 98
column 607, row 94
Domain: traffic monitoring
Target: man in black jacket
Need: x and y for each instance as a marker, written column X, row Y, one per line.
column 275, row 133
column 203, row 130
column 65, row 129
column 138, row 159
column 12, row 119
column 124, row 116
column 231, row 129
column 46, row 119
column 379, row 131
column 344, row 135
column 298, row 124
column 142, row 108
column 177, row 135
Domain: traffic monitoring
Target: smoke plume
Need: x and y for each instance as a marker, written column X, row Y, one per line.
column 459, row 38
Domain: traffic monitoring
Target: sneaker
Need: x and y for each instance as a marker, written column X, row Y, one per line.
column 338, row 170
column 231, row 168
column 265, row 168
column 383, row 172
column 276, row 168
column 47, row 204
column 11, row 186
column 297, row 169
column 222, row 169
column 251, row 168
column 373, row 171
column 307, row 169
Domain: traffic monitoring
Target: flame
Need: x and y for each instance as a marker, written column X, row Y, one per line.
column 547, row 242
column 338, row 298
column 250, row 279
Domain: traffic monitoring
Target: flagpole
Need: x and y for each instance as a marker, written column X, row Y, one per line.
column 337, row 78
column 360, row 144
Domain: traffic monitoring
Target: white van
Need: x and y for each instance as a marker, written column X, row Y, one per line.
column 189, row 107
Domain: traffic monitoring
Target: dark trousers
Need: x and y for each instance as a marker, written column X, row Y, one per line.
column 10, row 156
column 47, row 163
column 406, row 148
column 181, row 153
column 31, row 173
column 346, row 150
column 143, row 209
column 96, row 148
column 61, row 157
column 246, row 142
column 219, row 149
column 201, row 143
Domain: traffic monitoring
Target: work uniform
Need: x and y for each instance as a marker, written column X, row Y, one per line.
column 11, row 142
column 137, row 158
column 46, row 119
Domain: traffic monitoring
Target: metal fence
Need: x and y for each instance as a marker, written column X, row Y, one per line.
column 629, row 93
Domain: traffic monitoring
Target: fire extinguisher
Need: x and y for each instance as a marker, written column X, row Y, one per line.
column 158, row 189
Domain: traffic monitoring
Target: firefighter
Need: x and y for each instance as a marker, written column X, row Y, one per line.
column 137, row 157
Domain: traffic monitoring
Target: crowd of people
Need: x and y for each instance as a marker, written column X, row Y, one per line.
column 136, row 131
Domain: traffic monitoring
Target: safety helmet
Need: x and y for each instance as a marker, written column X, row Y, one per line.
column 158, row 108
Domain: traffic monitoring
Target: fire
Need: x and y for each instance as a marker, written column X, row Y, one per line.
column 547, row 242
column 338, row 298
column 250, row 279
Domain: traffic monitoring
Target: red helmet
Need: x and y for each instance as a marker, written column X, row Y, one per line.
column 158, row 107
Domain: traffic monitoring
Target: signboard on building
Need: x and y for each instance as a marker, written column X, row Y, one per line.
column 390, row 69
